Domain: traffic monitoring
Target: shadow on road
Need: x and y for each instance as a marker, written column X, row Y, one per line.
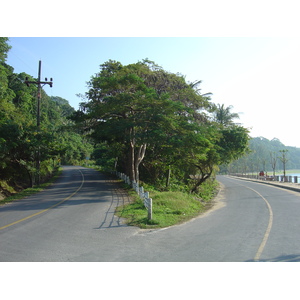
column 94, row 191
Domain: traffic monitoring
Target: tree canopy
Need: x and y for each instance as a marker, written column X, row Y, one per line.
column 57, row 139
column 153, row 121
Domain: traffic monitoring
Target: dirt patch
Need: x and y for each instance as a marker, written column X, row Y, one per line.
column 4, row 193
column 8, row 189
column 2, row 196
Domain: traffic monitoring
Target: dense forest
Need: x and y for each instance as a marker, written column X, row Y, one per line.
column 139, row 119
column 57, row 139
column 265, row 155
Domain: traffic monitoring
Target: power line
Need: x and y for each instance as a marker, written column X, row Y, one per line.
column 21, row 60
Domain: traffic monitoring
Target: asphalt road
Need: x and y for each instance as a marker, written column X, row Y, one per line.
column 74, row 221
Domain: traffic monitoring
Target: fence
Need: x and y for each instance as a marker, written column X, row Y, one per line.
column 140, row 191
column 279, row 178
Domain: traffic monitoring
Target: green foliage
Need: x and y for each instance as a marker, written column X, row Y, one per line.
column 223, row 115
column 208, row 190
column 12, row 194
column 155, row 127
column 62, row 106
column 233, row 143
column 104, row 157
column 169, row 208
column 20, row 139
column 4, row 48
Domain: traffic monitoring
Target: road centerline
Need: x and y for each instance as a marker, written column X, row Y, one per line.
column 269, row 227
column 44, row 210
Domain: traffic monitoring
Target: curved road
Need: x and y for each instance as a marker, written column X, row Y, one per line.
column 74, row 221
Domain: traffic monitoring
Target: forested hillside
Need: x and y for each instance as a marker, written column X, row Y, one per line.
column 57, row 139
column 263, row 155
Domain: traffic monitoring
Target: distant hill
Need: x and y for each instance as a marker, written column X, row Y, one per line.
column 259, row 158
column 64, row 105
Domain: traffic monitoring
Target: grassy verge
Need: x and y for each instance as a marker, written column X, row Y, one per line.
column 280, row 172
column 31, row 191
column 169, row 208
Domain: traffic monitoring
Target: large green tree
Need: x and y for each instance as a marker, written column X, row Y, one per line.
column 155, row 123
column 225, row 141
column 139, row 106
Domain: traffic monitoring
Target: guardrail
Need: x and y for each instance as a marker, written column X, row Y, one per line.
column 140, row 191
column 279, row 178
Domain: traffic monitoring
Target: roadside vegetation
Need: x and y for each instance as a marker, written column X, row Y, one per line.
column 11, row 194
column 169, row 207
column 22, row 144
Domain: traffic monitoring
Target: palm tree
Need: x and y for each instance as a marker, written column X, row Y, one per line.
column 223, row 116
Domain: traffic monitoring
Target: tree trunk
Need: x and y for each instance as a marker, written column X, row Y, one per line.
column 139, row 156
column 116, row 163
column 27, row 171
column 199, row 182
column 168, row 176
column 204, row 177
column 131, row 164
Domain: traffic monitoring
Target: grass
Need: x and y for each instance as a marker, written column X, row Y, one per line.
column 33, row 190
column 169, row 208
column 295, row 171
column 279, row 172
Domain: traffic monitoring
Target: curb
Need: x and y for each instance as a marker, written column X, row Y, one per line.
column 280, row 185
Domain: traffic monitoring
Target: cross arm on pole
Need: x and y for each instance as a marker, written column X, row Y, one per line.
column 27, row 82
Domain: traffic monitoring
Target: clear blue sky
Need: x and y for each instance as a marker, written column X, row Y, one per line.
column 257, row 76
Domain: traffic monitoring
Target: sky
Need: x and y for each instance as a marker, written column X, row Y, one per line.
column 258, row 76
column 246, row 53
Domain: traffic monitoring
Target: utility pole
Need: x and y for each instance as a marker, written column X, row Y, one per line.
column 284, row 160
column 39, row 84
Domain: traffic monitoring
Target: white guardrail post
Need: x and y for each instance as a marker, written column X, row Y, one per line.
column 140, row 191
column 148, row 204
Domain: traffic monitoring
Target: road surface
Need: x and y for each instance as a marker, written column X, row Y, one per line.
column 74, row 220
